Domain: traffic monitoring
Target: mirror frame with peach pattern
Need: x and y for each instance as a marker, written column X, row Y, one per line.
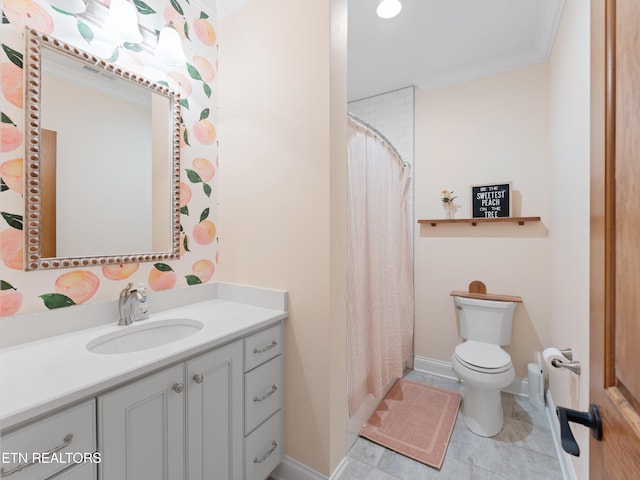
column 34, row 176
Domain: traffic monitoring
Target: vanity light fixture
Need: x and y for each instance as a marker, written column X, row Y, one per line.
column 119, row 24
column 122, row 21
column 169, row 48
column 389, row 8
column 71, row 6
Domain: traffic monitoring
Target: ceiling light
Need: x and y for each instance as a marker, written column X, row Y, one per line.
column 169, row 48
column 71, row 6
column 122, row 21
column 389, row 8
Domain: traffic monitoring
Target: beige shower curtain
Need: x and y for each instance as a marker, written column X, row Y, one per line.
column 379, row 273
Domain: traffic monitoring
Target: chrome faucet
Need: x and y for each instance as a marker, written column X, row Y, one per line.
column 125, row 305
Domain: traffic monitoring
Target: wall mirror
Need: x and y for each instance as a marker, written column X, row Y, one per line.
column 102, row 161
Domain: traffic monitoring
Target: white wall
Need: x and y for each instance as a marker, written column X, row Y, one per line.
column 283, row 198
column 493, row 129
column 94, row 178
column 569, row 72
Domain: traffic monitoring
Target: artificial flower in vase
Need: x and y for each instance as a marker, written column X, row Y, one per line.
column 447, row 198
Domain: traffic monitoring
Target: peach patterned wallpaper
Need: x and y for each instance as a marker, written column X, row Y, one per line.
column 24, row 292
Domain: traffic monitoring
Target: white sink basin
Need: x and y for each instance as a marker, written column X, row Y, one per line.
column 147, row 335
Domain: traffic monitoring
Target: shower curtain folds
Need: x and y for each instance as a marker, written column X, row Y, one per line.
column 379, row 272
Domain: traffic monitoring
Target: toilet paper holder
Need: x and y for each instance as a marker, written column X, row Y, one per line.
column 569, row 364
column 567, row 353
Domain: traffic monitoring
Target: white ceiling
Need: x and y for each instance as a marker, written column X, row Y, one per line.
column 435, row 43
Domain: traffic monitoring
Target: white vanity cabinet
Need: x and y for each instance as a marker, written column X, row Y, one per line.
column 263, row 403
column 208, row 408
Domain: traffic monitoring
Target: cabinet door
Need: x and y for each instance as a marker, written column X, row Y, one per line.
column 141, row 429
column 214, row 414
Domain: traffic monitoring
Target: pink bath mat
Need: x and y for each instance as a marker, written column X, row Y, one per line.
column 415, row 420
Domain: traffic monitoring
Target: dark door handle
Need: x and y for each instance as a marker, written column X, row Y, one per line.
column 589, row 419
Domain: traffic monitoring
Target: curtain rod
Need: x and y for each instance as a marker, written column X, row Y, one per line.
column 357, row 119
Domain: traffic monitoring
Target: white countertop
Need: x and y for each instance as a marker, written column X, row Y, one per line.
column 43, row 375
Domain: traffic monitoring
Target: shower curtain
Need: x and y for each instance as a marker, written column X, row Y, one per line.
column 379, row 265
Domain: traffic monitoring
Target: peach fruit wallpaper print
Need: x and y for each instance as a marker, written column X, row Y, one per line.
column 195, row 81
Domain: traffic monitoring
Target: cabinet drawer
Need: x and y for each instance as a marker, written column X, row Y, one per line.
column 262, row 346
column 263, row 449
column 58, row 439
column 87, row 471
column 262, row 393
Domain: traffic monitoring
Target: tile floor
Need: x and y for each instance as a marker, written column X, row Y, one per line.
column 524, row 449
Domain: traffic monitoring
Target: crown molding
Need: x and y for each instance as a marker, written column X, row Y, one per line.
column 539, row 53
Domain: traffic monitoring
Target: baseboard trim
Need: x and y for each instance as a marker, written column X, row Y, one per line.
column 520, row 386
column 566, row 466
column 341, row 466
column 291, row 469
column 434, row 367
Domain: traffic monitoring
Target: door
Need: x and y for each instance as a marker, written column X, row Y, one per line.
column 615, row 240
column 141, row 429
column 48, row 165
column 214, row 414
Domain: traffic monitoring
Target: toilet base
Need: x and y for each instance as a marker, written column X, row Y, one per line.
column 482, row 411
column 482, row 399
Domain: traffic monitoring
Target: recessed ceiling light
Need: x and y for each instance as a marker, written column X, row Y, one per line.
column 389, row 8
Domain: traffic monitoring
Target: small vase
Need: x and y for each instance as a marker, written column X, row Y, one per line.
column 449, row 210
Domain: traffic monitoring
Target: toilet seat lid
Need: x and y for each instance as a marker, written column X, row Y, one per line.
column 483, row 355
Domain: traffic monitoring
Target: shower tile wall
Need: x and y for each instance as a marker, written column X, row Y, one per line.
column 392, row 114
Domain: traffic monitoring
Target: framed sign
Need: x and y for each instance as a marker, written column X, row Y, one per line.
column 491, row 201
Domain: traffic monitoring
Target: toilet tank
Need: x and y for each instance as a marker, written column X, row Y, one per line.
column 485, row 321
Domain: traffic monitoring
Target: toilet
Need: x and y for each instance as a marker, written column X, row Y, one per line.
column 484, row 367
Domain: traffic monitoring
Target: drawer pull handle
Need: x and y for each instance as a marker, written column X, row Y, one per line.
column 66, row 441
column 274, row 445
column 198, row 378
column 273, row 390
column 178, row 387
column 264, row 349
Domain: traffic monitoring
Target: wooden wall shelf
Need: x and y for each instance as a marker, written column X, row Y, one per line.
column 476, row 221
